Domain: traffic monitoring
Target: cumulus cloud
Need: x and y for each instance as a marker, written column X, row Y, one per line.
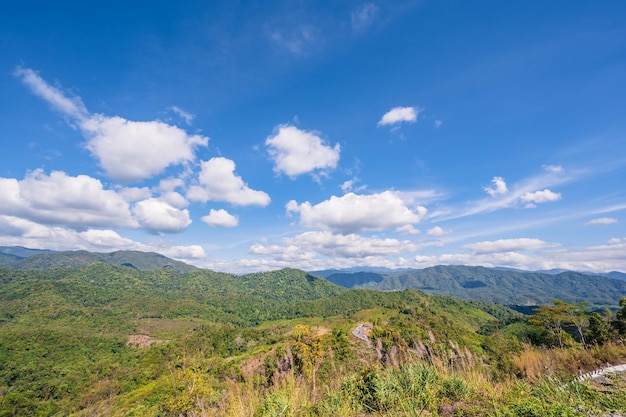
column 38, row 236
column 508, row 245
column 362, row 17
column 131, row 194
column 308, row 245
column 354, row 213
column 498, row 187
column 398, row 115
column 158, row 216
column 296, row 152
column 217, row 182
column 184, row 253
column 438, row 123
column 437, row 231
column 128, row 151
column 16, row 231
column 533, row 198
column 220, row 218
column 59, row 199
column 131, row 151
column 602, row 220
column 408, row 229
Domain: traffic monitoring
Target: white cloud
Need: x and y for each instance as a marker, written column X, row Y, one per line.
column 354, row 213
column 408, row 229
column 438, row 123
column 522, row 193
column 349, row 185
column 128, row 151
column 58, row 199
column 33, row 235
column 510, row 259
column 15, row 231
column 171, row 184
column 131, row 194
column 132, row 151
column 398, row 115
column 508, row 245
column 72, row 107
column 174, row 199
column 308, row 245
column 220, row 218
column 218, row 182
column 437, row 231
column 555, row 169
column 362, row 17
column 602, row 220
column 296, row 152
column 158, row 216
column 186, row 116
column 533, row 198
column 184, row 253
column 607, row 257
column 498, row 187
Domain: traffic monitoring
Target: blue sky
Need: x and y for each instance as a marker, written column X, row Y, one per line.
column 245, row 136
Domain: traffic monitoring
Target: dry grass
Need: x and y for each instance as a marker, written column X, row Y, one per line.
column 533, row 363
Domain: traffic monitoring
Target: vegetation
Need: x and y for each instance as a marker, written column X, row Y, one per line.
column 494, row 285
column 118, row 341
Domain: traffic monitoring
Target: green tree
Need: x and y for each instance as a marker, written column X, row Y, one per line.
column 599, row 330
column 553, row 319
column 620, row 318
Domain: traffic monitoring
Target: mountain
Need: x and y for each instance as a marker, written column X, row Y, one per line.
column 506, row 286
column 81, row 258
column 615, row 275
column 355, row 279
column 10, row 254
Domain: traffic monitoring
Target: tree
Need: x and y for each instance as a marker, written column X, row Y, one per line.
column 599, row 330
column 553, row 319
column 620, row 318
column 578, row 317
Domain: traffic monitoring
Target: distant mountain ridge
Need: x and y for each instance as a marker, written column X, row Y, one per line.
column 494, row 285
column 497, row 285
column 24, row 258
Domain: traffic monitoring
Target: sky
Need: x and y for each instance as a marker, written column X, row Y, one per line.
column 244, row 136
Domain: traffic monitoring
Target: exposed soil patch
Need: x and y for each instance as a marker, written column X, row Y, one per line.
column 142, row 341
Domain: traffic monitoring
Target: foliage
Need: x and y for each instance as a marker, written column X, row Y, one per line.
column 279, row 343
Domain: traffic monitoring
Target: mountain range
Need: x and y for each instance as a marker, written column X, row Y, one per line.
column 494, row 285
column 16, row 257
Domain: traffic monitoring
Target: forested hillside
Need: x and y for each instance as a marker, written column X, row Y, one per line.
column 106, row 340
column 493, row 285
